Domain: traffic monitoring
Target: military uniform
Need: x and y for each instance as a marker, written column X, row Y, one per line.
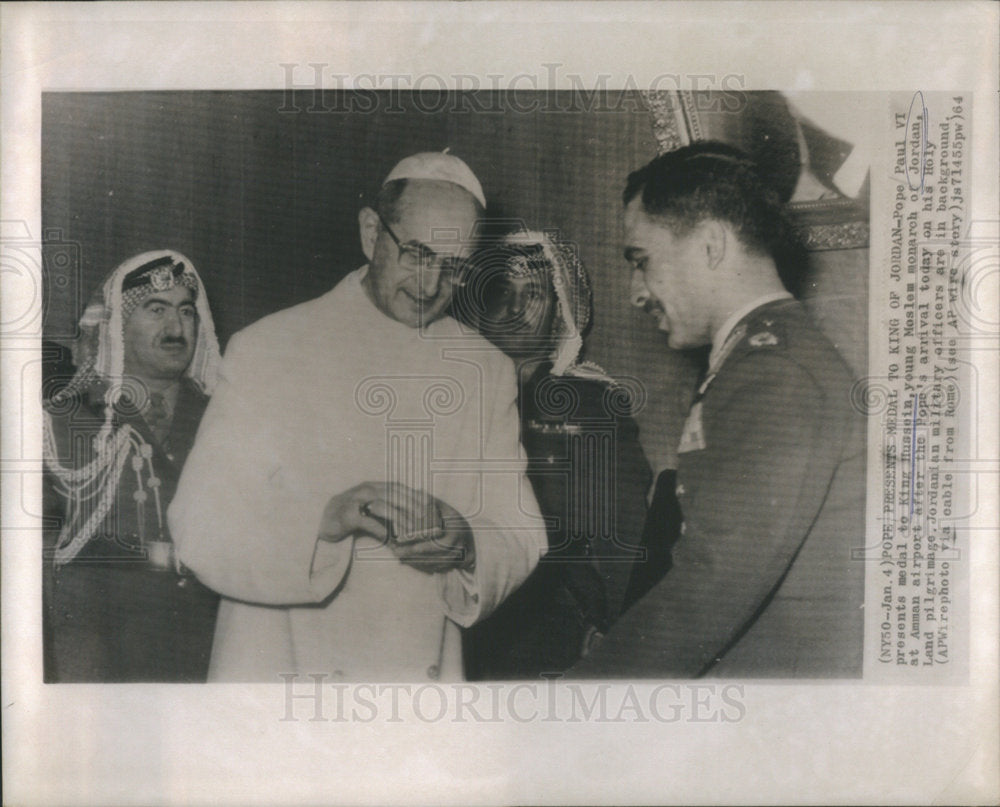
column 590, row 477
column 659, row 534
column 118, row 611
column 771, row 485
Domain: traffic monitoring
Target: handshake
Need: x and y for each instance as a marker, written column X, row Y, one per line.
column 420, row 529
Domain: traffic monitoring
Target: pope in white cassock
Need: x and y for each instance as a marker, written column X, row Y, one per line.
column 356, row 491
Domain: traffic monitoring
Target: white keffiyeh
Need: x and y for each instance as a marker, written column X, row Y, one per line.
column 99, row 355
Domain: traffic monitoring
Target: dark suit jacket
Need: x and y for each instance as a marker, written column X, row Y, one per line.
column 763, row 581
column 108, row 614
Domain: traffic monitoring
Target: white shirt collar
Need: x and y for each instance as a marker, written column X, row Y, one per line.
column 719, row 340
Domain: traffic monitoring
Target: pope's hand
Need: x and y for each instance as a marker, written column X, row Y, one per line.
column 446, row 545
column 347, row 513
column 421, row 530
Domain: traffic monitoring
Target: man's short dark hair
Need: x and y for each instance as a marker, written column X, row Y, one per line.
column 711, row 180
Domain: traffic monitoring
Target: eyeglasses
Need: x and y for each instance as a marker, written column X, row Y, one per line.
column 413, row 256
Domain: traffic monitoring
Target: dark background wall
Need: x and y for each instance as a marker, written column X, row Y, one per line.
column 261, row 191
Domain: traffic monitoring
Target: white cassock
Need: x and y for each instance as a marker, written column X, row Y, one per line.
column 312, row 401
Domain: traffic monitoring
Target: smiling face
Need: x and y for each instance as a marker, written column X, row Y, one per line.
column 519, row 313
column 160, row 335
column 670, row 278
column 435, row 220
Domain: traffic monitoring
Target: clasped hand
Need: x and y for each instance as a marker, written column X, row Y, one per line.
column 420, row 529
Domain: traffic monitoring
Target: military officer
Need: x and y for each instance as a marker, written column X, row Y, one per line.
column 531, row 297
column 118, row 604
column 770, row 477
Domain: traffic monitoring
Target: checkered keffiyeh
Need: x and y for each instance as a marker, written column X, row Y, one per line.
column 100, row 352
column 157, row 275
column 99, row 355
column 573, row 301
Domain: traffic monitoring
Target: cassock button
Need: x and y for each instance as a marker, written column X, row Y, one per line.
column 550, row 459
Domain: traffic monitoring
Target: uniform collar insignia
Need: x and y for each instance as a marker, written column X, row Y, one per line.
column 763, row 339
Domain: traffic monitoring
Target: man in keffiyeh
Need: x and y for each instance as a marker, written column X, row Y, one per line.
column 530, row 295
column 118, row 604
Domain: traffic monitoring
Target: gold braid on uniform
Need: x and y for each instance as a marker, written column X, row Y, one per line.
column 90, row 491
